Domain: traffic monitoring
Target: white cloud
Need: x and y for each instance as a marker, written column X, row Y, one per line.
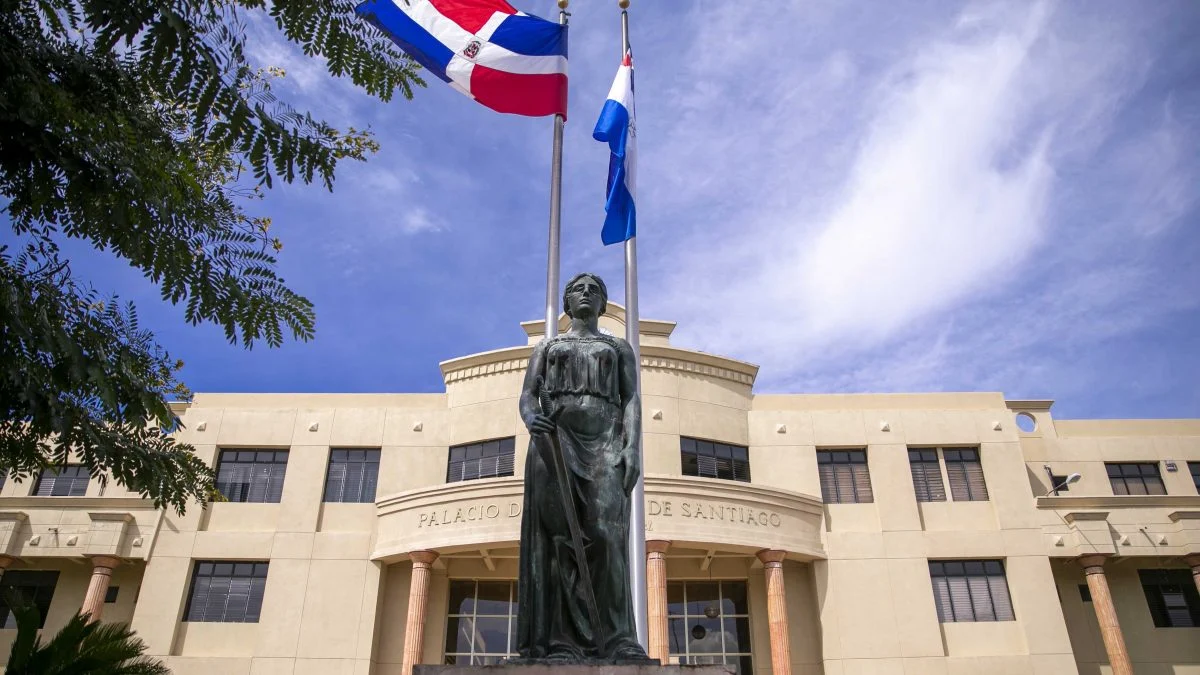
column 854, row 223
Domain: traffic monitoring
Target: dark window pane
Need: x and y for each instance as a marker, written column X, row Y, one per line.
column 462, row 597
column 227, row 592
column 491, row 635
column 33, row 586
column 704, row 635
column 487, row 459
column 971, row 590
column 473, row 636
column 737, row 634
column 714, row 460
column 1171, row 597
column 701, row 596
column 675, row 599
column 459, row 630
column 1135, row 478
column 734, row 595
column 493, row 598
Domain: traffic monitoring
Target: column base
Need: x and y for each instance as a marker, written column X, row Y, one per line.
column 554, row 669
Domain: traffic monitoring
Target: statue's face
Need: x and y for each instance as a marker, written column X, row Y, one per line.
column 584, row 298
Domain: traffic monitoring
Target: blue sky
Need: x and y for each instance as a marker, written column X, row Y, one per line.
column 859, row 197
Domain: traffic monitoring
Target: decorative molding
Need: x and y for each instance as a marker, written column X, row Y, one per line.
column 1177, row 516
column 484, row 369
column 663, row 363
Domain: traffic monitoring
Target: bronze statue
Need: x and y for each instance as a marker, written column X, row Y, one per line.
column 581, row 406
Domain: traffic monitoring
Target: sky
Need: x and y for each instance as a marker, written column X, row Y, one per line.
column 857, row 197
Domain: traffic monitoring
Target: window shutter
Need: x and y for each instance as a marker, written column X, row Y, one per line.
column 960, row 598
column 335, row 482
column 975, row 483
column 981, row 601
column 370, row 481
column 46, row 484
column 828, row 483
column 1001, row 600
column 258, row 586
column 354, row 481
column 707, row 466
column 200, row 591
column 1158, row 608
column 941, row 597
column 862, row 484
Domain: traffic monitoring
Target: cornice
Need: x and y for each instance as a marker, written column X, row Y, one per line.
column 1184, row 502
column 1036, row 405
column 657, row 357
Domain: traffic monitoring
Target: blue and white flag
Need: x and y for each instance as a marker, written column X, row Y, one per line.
column 616, row 127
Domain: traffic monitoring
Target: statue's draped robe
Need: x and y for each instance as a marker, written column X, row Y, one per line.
column 582, row 385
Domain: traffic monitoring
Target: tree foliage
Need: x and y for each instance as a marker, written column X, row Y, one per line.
column 80, row 647
column 142, row 128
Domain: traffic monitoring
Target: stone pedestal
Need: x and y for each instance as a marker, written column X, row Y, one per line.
column 573, row 670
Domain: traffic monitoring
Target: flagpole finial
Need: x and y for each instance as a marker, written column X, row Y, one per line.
column 623, row 4
column 562, row 4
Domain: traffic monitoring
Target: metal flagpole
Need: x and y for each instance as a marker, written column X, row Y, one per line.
column 637, row 511
column 553, row 256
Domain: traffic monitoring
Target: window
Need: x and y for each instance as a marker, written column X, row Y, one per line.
column 966, row 475
column 352, row 476
column 230, row 592
column 110, row 595
column 70, row 481
column 34, row 586
column 1085, row 593
column 1135, row 478
column 714, row 460
column 481, row 622
column 252, row 475
column 1059, row 483
column 926, row 475
column 844, row 476
column 1194, row 467
column 1172, row 596
column 488, row 459
column 709, row 622
column 970, row 590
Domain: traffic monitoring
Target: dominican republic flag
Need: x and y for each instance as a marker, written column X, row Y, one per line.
column 617, row 128
column 509, row 61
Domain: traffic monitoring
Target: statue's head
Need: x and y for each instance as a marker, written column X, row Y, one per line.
column 588, row 288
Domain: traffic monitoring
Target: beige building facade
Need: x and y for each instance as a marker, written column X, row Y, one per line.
column 838, row 534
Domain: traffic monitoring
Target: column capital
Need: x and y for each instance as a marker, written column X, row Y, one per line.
column 1192, row 560
column 106, row 561
column 1093, row 563
column 657, row 545
column 771, row 556
column 424, row 558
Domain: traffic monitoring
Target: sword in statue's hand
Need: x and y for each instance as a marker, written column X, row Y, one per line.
column 567, row 495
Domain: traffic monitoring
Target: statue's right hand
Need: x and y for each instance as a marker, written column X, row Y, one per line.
column 540, row 424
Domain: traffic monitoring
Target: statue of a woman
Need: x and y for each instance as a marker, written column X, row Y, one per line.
column 581, row 406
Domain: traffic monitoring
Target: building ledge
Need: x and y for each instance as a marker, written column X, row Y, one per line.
column 1187, row 502
column 75, row 503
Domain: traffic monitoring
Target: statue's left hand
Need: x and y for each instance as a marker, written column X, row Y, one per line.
column 631, row 468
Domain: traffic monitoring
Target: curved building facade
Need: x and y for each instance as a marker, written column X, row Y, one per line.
column 805, row 534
